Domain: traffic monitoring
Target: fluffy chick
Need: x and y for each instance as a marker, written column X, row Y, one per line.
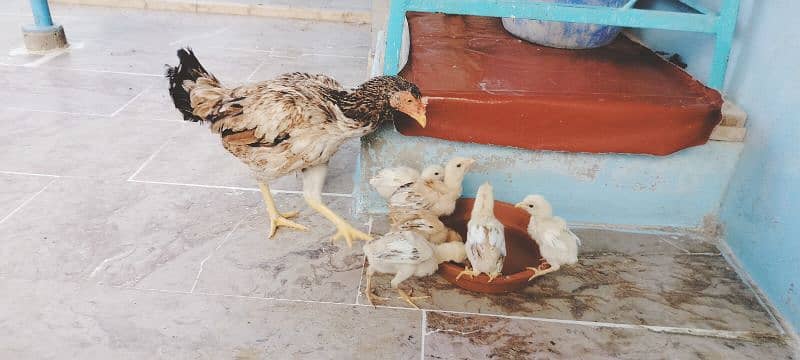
column 425, row 223
column 388, row 180
column 406, row 254
column 486, row 242
column 557, row 243
column 440, row 200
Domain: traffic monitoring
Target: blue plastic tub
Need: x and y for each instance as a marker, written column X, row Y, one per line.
column 566, row 35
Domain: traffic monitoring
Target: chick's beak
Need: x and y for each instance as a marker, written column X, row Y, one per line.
column 519, row 205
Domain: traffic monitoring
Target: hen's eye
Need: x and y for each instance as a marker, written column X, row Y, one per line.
column 410, row 101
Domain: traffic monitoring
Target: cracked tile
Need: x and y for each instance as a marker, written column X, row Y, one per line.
column 119, row 233
column 16, row 189
column 91, row 322
column 74, row 145
column 451, row 336
column 294, row 265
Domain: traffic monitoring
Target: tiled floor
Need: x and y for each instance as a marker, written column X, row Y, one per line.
column 126, row 233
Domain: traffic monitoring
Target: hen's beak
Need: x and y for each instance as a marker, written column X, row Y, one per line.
column 416, row 111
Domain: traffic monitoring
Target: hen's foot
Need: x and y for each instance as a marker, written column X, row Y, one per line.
column 281, row 221
column 349, row 233
column 409, row 299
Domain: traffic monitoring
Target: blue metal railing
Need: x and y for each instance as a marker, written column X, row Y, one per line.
column 722, row 25
column 41, row 14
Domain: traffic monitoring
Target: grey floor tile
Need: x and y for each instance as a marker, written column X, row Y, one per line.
column 48, row 89
column 195, row 156
column 450, row 336
column 611, row 241
column 349, row 71
column 669, row 289
column 77, row 145
column 119, row 233
column 16, row 189
column 293, row 265
column 53, row 320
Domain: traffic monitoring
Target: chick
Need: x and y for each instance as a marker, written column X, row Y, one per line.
column 438, row 199
column 388, row 180
column 557, row 244
column 425, row 223
column 406, row 254
column 486, row 242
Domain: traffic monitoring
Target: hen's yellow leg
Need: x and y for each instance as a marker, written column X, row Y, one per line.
column 276, row 218
column 345, row 230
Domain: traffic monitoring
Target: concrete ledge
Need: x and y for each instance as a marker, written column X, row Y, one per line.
column 681, row 190
column 43, row 39
column 290, row 12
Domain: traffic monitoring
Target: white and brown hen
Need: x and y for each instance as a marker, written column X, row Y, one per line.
column 294, row 122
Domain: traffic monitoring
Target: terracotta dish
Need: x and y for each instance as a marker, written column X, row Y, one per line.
column 522, row 250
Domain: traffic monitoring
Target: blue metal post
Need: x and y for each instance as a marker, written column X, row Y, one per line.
column 41, row 13
column 726, row 25
column 394, row 36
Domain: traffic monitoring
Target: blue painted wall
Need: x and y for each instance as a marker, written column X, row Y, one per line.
column 761, row 209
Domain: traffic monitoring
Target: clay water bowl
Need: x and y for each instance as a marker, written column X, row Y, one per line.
column 521, row 249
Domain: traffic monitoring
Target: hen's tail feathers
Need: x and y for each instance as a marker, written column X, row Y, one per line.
column 484, row 201
column 188, row 70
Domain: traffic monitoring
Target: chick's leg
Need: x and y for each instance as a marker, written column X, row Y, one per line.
column 543, row 268
column 401, row 276
column 313, row 179
column 371, row 297
column 276, row 218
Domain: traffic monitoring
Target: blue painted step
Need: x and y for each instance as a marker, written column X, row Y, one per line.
column 640, row 190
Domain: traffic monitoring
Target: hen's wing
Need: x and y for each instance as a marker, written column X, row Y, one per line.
column 405, row 247
column 269, row 112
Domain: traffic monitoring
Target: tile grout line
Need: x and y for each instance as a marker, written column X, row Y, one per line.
column 260, row 65
column 727, row 253
column 28, row 200
column 203, row 263
column 150, row 158
column 28, row 174
column 129, row 102
column 56, row 112
column 423, row 330
column 274, row 191
column 199, row 36
column 670, row 243
column 720, row 334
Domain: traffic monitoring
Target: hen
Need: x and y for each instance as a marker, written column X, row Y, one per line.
column 557, row 243
column 294, row 122
column 486, row 241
